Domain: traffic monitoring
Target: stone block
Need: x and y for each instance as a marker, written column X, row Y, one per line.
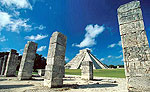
column 56, row 60
column 134, row 39
column 131, row 27
column 129, row 6
column 58, row 38
column 56, row 50
column 133, row 54
column 130, row 16
column 87, row 70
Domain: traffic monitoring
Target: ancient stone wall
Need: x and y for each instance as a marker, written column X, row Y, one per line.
column 135, row 47
column 54, row 71
column 27, row 61
column 12, row 63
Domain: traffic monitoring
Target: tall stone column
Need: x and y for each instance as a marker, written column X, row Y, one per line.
column 1, row 64
column 4, row 65
column 135, row 47
column 54, row 71
column 27, row 61
column 12, row 63
column 87, row 68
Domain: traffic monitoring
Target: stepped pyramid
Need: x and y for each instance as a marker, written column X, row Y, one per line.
column 84, row 54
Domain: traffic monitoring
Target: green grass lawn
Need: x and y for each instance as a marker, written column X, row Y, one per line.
column 116, row 73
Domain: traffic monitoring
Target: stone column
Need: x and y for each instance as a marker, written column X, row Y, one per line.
column 11, row 64
column 4, row 65
column 135, row 47
column 54, row 71
column 87, row 70
column 1, row 64
column 27, row 61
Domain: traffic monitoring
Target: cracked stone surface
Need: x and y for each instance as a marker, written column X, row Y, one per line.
column 135, row 47
column 27, row 61
column 54, row 70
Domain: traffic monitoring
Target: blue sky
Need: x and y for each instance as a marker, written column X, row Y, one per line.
column 91, row 24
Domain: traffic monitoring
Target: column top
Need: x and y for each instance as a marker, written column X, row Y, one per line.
column 129, row 6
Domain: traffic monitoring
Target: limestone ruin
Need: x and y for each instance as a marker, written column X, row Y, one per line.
column 135, row 47
column 27, row 61
column 12, row 63
column 1, row 63
column 54, row 71
column 4, row 65
column 75, row 63
column 87, row 68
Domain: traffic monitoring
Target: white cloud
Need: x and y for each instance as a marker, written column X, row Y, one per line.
column 66, row 58
column 122, row 59
column 5, row 19
column 112, row 45
column 41, row 48
column 41, row 27
column 91, row 33
column 17, row 25
column 120, row 43
column 35, row 38
column 119, row 56
column 102, row 59
column 3, row 39
column 17, row 3
column 5, row 49
column 13, row 25
column 109, row 56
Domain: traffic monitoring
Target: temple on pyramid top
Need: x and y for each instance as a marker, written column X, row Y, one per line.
column 84, row 55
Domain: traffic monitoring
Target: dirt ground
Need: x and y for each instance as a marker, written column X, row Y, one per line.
column 72, row 83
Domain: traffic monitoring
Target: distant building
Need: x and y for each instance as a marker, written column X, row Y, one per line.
column 76, row 62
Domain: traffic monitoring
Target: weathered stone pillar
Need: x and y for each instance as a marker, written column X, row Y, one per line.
column 87, row 68
column 54, row 71
column 4, row 65
column 1, row 64
column 135, row 47
column 27, row 61
column 12, row 63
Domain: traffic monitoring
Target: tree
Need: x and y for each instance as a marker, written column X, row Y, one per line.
column 39, row 63
column 2, row 54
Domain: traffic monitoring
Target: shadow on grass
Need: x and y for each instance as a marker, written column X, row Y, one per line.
column 97, row 86
column 13, row 86
column 76, row 86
